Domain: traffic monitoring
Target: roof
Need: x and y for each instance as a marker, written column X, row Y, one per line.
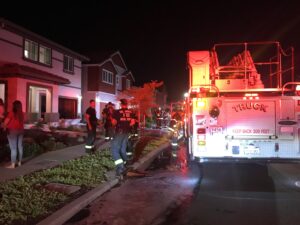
column 98, row 57
column 101, row 57
column 128, row 72
column 16, row 70
column 5, row 24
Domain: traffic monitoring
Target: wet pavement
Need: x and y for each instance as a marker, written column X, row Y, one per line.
column 143, row 200
column 239, row 194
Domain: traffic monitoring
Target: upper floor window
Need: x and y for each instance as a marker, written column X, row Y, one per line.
column 68, row 64
column 128, row 84
column 37, row 52
column 45, row 55
column 31, row 50
column 107, row 77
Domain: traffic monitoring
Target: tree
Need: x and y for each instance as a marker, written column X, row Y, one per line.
column 143, row 98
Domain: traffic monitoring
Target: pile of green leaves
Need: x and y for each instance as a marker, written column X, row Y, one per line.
column 147, row 144
column 155, row 143
column 24, row 199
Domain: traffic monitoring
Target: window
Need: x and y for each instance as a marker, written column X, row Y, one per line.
column 37, row 53
column 31, row 50
column 107, row 77
column 127, row 84
column 68, row 64
column 45, row 55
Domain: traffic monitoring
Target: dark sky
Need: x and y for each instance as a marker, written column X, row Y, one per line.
column 154, row 36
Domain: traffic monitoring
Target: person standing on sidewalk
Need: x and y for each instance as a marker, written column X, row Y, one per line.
column 91, row 124
column 123, row 120
column 14, row 123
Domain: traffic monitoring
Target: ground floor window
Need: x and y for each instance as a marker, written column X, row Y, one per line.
column 67, row 108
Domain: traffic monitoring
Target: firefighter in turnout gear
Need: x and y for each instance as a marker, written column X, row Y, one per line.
column 91, row 124
column 123, row 121
column 106, row 120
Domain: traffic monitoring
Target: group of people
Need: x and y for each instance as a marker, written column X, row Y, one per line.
column 12, row 125
column 118, row 124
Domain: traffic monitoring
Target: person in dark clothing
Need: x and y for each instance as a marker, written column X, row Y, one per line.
column 123, row 120
column 91, row 123
column 107, row 121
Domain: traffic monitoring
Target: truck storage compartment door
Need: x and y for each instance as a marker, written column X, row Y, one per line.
column 250, row 118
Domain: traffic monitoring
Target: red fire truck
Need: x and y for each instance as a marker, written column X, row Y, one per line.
column 238, row 107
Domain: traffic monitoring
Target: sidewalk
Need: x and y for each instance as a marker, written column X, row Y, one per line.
column 48, row 160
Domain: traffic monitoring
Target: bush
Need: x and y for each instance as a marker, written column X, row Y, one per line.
column 52, row 145
column 49, row 145
column 31, row 149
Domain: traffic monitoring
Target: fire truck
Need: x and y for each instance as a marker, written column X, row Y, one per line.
column 243, row 103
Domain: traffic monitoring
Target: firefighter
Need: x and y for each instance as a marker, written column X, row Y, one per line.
column 123, row 121
column 91, row 124
column 107, row 121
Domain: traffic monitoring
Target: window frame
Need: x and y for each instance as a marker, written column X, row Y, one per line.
column 70, row 59
column 107, row 77
column 37, row 61
column 50, row 52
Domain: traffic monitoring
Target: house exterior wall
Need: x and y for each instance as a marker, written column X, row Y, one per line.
column 11, row 46
column 12, row 50
column 92, row 77
column 104, row 87
column 18, row 90
column 93, row 86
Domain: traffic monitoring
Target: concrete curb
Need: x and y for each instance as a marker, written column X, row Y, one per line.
column 64, row 214
column 145, row 161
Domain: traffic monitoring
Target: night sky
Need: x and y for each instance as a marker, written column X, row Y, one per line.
column 154, row 36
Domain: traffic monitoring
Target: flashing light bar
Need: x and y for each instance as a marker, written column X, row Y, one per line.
column 251, row 96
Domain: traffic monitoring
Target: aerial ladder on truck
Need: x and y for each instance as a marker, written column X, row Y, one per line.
column 238, row 107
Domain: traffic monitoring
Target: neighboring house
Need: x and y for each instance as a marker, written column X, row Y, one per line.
column 43, row 75
column 104, row 80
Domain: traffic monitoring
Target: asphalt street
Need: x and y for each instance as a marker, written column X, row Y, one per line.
column 239, row 194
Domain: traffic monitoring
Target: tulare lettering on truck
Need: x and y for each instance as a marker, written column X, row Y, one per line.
column 249, row 106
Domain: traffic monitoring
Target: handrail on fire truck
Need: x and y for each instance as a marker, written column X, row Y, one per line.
column 247, row 66
column 203, row 86
column 289, row 83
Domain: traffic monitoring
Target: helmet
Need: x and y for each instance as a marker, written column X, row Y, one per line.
column 124, row 101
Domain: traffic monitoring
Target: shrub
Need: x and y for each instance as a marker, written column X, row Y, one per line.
column 31, row 149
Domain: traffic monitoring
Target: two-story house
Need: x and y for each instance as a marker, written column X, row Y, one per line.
column 43, row 75
column 104, row 80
